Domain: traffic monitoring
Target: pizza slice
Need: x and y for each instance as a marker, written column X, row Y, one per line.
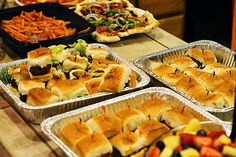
column 115, row 19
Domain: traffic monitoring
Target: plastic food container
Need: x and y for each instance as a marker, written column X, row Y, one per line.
column 52, row 10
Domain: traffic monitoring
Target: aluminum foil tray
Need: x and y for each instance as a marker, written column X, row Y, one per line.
column 36, row 114
column 51, row 126
column 224, row 55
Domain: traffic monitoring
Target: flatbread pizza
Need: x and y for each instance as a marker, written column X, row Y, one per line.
column 115, row 19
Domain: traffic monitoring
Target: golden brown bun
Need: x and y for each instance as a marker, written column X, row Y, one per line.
column 41, row 96
column 151, row 130
column 41, row 57
column 44, row 78
column 211, row 99
column 216, row 68
column 79, row 74
column 93, row 85
column 96, row 52
column 210, row 81
column 133, row 80
column 141, row 153
column 69, row 89
column 131, row 118
column 25, row 86
column 74, row 63
column 108, row 124
column 229, row 76
column 176, row 117
column 195, row 72
column 154, row 107
column 73, row 132
column 227, row 90
column 190, row 85
column 100, row 64
column 204, row 56
column 182, row 63
column 19, row 72
column 93, row 145
column 40, row 52
column 115, row 78
column 127, row 143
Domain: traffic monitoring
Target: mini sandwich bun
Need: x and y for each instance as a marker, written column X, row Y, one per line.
column 39, row 57
column 25, row 86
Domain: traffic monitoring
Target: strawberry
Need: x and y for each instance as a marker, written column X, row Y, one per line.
column 216, row 134
column 186, row 139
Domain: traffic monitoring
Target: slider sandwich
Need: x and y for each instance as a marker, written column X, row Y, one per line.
column 150, row 130
column 182, row 63
column 74, row 62
column 40, row 63
column 99, row 66
column 203, row 56
column 69, row 89
column 25, row 86
column 168, row 73
column 73, row 132
column 93, row 145
column 127, row 142
column 131, row 118
column 115, row 78
column 19, row 72
column 154, row 107
column 79, row 74
column 107, row 123
column 96, row 52
column 93, row 85
column 41, row 97
column 176, row 117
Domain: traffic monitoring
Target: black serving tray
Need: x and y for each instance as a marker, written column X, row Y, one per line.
column 52, row 10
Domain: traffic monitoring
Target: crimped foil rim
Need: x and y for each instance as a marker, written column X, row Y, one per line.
column 139, row 62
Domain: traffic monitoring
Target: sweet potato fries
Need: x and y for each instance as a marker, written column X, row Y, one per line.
column 34, row 26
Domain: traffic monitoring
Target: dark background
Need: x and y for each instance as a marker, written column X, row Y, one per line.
column 208, row 19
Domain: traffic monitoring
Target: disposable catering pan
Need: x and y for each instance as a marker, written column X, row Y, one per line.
column 51, row 10
column 36, row 114
column 51, row 126
column 224, row 56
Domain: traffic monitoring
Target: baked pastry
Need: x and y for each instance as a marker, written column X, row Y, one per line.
column 154, row 107
column 211, row 99
column 227, row 91
column 96, row 52
column 204, row 56
column 107, row 123
column 25, row 86
column 69, row 89
column 229, row 76
column 131, row 118
column 194, row 72
column 93, row 145
column 210, row 81
column 73, row 132
column 168, row 73
column 115, row 78
column 176, row 117
column 216, row 68
column 79, row 74
column 74, row 63
column 182, row 63
column 93, row 85
column 127, row 142
column 190, row 85
column 39, row 61
column 150, row 130
column 41, row 96
column 19, row 72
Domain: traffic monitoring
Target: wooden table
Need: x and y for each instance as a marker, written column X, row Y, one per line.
column 18, row 138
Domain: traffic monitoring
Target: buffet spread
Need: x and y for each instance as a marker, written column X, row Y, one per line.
column 91, row 102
